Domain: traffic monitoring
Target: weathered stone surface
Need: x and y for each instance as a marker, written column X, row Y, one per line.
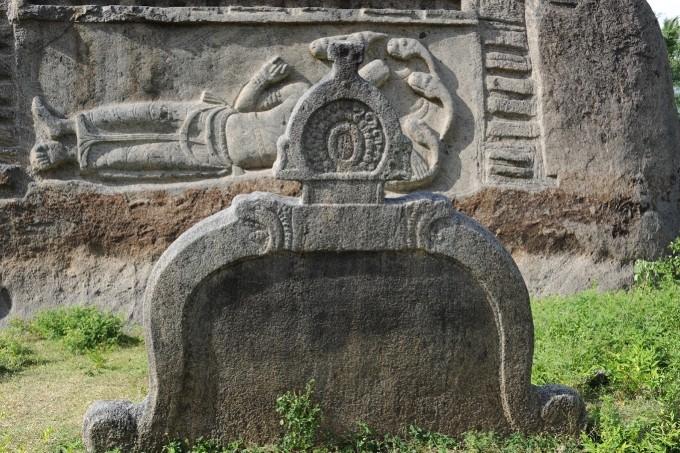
column 610, row 127
column 69, row 244
column 528, row 98
column 345, row 306
column 403, row 311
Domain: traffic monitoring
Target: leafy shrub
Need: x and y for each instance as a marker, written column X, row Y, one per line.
column 671, row 34
column 642, row 433
column 300, row 418
column 622, row 351
column 14, row 355
column 654, row 273
column 80, row 329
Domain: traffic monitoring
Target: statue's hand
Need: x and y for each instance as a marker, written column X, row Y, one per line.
column 274, row 71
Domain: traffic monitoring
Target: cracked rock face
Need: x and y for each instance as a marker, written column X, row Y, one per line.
column 550, row 122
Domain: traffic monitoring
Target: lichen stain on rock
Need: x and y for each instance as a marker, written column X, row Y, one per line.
column 547, row 222
column 56, row 221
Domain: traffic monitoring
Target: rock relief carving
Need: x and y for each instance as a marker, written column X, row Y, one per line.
column 431, row 117
column 185, row 288
column 209, row 137
column 344, row 128
column 270, row 225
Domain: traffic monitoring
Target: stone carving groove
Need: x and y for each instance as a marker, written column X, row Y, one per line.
column 8, row 90
column 565, row 3
column 512, row 144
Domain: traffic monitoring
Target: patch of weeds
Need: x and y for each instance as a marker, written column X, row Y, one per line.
column 622, row 351
column 661, row 271
column 517, row 443
column 431, row 441
column 81, row 329
column 364, row 439
column 610, row 431
column 300, row 418
column 14, row 355
column 56, row 441
column 97, row 363
column 208, row 446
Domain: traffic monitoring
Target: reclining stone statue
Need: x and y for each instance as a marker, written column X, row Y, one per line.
column 165, row 138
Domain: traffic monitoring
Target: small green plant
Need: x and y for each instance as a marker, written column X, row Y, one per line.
column 80, row 329
column 431, row 441
column 206, row 446
column 97, row 363
column 58, row 441
column 614, row 432
column 653, row 273
column 300, row 418
column 365, row 440
column 14, row 355
column 174, row 447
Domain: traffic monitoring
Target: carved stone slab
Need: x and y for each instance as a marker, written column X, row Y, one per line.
column 404, row 311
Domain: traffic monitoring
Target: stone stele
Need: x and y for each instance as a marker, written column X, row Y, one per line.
column 403, row 310
column 124, row 123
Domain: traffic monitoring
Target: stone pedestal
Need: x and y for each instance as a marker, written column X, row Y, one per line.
column 403, row 310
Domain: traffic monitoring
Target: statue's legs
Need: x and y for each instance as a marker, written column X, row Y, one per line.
column 134, row 139
column 151, row 161
column 141, row 117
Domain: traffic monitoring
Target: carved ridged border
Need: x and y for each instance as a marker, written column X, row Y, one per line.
column 512, row 139
column 240, row 14
column 8, row 144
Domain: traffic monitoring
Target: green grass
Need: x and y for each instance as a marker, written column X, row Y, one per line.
column 621, row 350
column 45, row 394
column 80, row 329
column 14, row 355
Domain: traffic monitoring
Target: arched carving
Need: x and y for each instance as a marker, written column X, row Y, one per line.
column 190, row 289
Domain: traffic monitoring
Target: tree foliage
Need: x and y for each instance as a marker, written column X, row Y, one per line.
column 671, row 33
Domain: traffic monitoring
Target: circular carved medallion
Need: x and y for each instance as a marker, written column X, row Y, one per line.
column 344, row 135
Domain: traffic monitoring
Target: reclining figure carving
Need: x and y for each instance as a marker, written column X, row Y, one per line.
column 164, row 138
column 209, row 137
